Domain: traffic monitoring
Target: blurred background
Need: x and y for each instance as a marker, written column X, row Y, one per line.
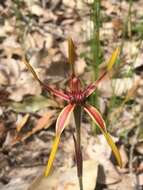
column 38, row 30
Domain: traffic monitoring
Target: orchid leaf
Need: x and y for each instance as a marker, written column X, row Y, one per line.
column 52, row 155
column 63, row 118
column 113, row 58
column 97, row 118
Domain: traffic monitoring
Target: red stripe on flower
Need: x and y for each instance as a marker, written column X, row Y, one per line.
column 55, row 91
column 92, row 87
column 75, row 84
column 95, row 115
column 45, row 86
column 63, row 118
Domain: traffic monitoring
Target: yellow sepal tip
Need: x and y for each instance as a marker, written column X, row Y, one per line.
column 113, row 147
column 113, row 58
column 52, row 155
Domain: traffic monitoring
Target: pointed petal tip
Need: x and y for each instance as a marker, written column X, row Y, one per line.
column 57, row 93
column 70, row 39
column 114, row 148
column 52, row 156
column 31, row 69
column 113, row 58
column 93, row 86
column 97, row 118
column 71, row 51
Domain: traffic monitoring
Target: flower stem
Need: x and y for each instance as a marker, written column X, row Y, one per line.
column 77, row 142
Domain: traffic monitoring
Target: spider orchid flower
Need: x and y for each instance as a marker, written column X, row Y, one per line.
column 76, row 97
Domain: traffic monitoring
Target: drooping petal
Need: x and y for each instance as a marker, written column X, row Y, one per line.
column 45, row 86
column 31, row 70
column 52, row 155
column 63, row 118
column 97, row 118
column 113, row 147
column 113, row 58
column 60, row 125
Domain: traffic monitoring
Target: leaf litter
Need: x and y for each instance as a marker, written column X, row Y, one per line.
column 25, row 107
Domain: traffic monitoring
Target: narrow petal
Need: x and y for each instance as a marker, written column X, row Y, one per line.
column 45, row 86
column 60, row 125
column 113, row 147
column 97, row 118
column 113, row 59
column 71, row 54
column 63, row 118
column 56, row 92
column 71, row 51
column 52, row 155
column 93, row 86
column 31, row 70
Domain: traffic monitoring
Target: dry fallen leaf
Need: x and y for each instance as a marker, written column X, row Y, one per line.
column 140, row 178
column 124, row 156
column 70, row 4
column 2, row 131
column 125, row 183
column 22, row 122
column 107, row 173
column 43, row 123
column 67, row 180
column 3, row 95
column 119, row 86
column 36, row 10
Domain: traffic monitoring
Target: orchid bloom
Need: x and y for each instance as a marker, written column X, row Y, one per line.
column 76, row 97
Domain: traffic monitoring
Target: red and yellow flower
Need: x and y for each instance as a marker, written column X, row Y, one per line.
column 76, row 96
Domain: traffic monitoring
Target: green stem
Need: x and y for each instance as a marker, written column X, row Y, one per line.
column 77, row 141
column 95, row 48
column 127, row 28
column 96, row 37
